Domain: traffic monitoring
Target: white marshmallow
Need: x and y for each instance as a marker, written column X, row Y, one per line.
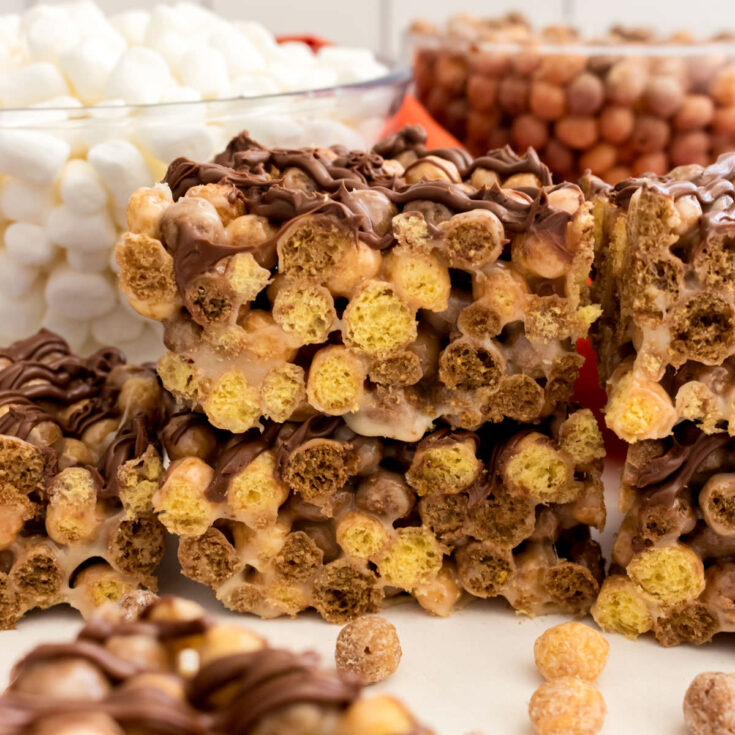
column 20, row 316
column 92, row 23
column 88, row 232
column 131, row 25
column 121, row 167
column 259, row 36
column 117, row 326
column 240, row 53
column 147, row 346
column 269, row 129
column 50, row 33
column 80, row 187
column 167, row 141
column 79, row 295
column 88, row 66
column 21, row 200
column 32, row 156
column 30, row 84
column 326, row 132
column 88, row 261
column 28, row 244
column 15, row 278
column 139, row 77
column 254, row 85
column 205, row 70
column 179, row 93
column 337, row 56
column 74, row 331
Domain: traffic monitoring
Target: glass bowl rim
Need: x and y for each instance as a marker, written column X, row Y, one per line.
column 398, row 73
column 415, row 40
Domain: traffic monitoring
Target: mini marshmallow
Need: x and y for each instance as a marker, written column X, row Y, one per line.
column 20, row 315
column 79, row 295
column 28, row 244
column 32, row 156
column 121, row 166
column 80, row 187
column 92, row 23
column 205, row 69
column 30, row 84
column 239, row 52
column 16, row 279
column 85, row 261
column 88, row 232
column 131, row 25
column 146, row 347
column 75, row 331
column 269, row 129
column 331, row 132
column 88, row 66
column 21, row 200
column 166, row 141
column 139, row 77
column 179, row 93
column 49, row 33
column 254, row 85
column 259, row 36
column 117, row 326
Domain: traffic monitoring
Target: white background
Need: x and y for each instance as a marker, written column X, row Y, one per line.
column 472, row 673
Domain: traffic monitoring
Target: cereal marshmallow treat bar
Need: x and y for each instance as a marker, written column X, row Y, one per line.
column 665, row 274
column 391, row 287
column 672, row 561
column 79, row 463
column 153, row 666
column 313, row 515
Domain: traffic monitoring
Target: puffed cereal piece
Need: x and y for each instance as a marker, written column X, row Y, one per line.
column 567, row 706
column 709, row 704
column 368, row 648
column 571, row 649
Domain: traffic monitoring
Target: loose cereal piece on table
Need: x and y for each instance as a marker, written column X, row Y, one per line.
column 368, row 648
column 571, row 649
column 709, row 704
column 567, row 706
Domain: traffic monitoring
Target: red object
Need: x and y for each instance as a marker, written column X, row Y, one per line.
column 412, row 112
column 313, row 42
column 588, row 393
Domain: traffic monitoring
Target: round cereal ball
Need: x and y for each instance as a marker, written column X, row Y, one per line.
column 571, row 649
column 568, row 706
column 368, row 648
column 709, row 704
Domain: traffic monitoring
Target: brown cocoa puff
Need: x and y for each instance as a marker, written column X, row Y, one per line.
column 369, row 649
column 585, row 94
column 576, row 131
column 709, row 704
column 547, row 101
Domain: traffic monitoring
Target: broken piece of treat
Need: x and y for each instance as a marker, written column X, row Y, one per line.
column 664, row 273
column 313, row 515
column 391, row 287
column 163, row 666
column 672, row 558
column 79, row 464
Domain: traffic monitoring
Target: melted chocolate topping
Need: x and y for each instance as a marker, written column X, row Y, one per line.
column 254, row 172
column 267, row 681
column 130, row 442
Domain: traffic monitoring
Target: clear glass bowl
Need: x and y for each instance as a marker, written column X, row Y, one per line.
column 66, row 175
column 617, row 108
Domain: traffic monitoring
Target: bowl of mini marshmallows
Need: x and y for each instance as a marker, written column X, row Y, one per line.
column 92, row 107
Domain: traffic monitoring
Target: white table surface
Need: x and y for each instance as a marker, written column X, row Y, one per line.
column 471, row 673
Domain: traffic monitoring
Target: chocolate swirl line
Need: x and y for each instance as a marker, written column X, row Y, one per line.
column 248, row 167
column 267, row 681
column 130, row 442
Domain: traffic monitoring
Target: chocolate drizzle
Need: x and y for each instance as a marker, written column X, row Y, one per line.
column 267, row 681
column 257, row 176
column 317, row 427
column 237, row 457
column 130, row 442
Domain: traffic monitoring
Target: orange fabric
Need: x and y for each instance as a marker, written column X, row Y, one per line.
column 412, row 112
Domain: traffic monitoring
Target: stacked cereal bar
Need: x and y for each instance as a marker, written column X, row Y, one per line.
column 162, row 666
column 79, row 463
column 665, row 266
column 315, row 515
column 323, row 308
column 392, row 287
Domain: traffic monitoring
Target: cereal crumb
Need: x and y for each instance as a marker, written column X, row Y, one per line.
column 368, row 648
column 709, row 704
column 567, row 706
column 571, row 649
